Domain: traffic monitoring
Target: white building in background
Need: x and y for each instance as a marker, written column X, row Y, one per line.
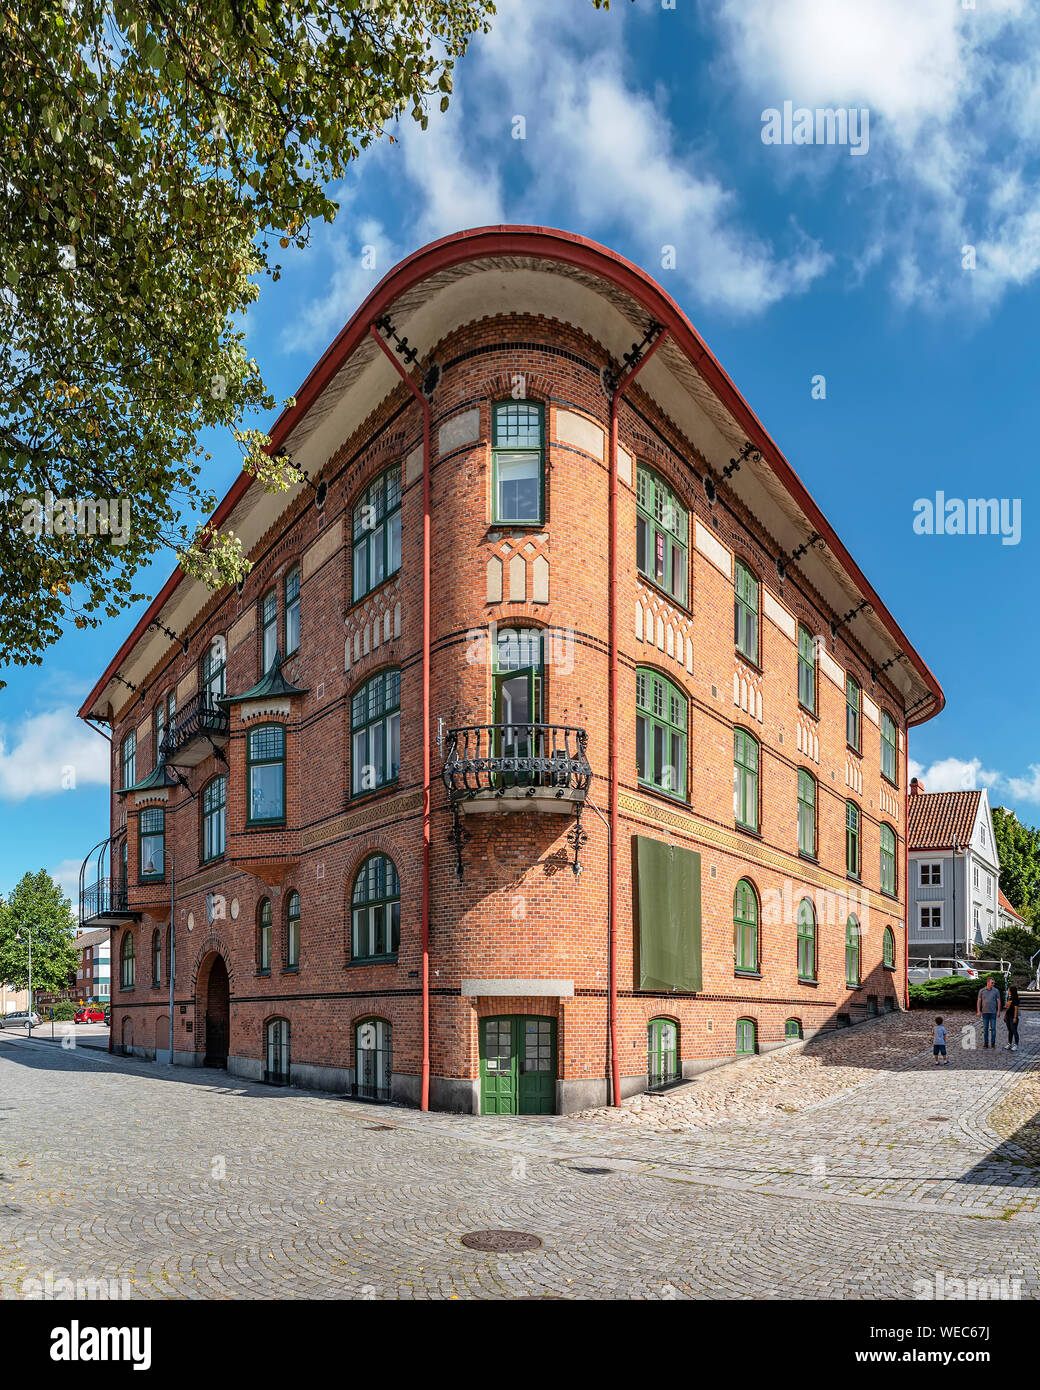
column 954, row 872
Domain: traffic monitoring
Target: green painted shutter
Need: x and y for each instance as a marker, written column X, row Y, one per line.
column 666, row 902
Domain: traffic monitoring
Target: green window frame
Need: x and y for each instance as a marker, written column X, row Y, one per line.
column 265, row 923
column 268, row 630
column 128, row 758
column 376, row 533
column 888, row 860
column 265, row 769
column 889, row 757
column 517, row 463
column 806, row 813
column 662, row 1051
column 746, row 757
column 375, row 732
column 292, row 931
column 853, row 822
column 806, row 940
column 292, row 611
column 747, row 1037
column 662, row 535
column 165, row 709
column 156, row 959
column 853, row 725
column 852, row 949
column 214, row 666
column 376, row 911
column 806, row 669
column 745, row 612
column 662, row 713
column 126, row 960
column 214, row 819
column 888, row 949
column 151, row 843
column 745, row 929
column 793, row 1029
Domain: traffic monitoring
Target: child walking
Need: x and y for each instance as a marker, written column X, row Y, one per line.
column 939, row 1043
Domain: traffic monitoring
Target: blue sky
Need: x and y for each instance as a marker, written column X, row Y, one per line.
column 643, row 130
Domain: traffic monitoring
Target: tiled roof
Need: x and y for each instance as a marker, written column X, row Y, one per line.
column 1006, row 906
column 91, row 938
column 939, row 820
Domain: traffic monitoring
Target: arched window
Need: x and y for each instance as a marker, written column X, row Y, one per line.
column 661, row 715
column 128, row 757
column 747, row 1037
column 793, row 1029
column 662, row 1036
column 806, row 813
column 806, row 669
column 853, row 726
column 292, row 611
column 852, row 849
column 126, row 960
column 276, row 1052
column 745, row 612
column 376, row 910
column 806, row 940
column 214, row 818
column 518, row 690
column 852, row 952
column 151, row 842
column 745, row 779
column 156, row 958
column 373, row 1048
column 377, row 532
column 292, row 931
column 745, row 928
column 888, row 949
column 264, row 920
column 266, row 767
column 165, row 708
column 889, row 760
column 214, row 664
column 171, row 953
column 375, row 732
column 888, row 860
column 662, row 534
column 268, row 630
column 517, row 448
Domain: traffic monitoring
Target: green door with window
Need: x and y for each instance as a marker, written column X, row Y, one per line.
column 517, row 1066
column 517, row 696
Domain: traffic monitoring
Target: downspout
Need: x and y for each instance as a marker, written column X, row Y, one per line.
column 906, row 872
column 424, row 1101
column 623, row 383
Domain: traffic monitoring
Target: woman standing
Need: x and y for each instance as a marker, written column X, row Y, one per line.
column 1011, row 1019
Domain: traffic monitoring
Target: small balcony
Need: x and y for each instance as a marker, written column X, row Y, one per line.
column 518, row 767
column 197, row 730
column 103, row 898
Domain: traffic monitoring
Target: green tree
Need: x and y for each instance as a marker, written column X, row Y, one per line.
column 39, row 908
column 1018, row 846
column 152, row 156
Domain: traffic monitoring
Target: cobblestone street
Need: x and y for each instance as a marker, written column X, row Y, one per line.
column 193, row 1184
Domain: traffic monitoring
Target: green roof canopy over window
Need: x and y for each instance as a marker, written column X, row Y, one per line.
column 667, row 910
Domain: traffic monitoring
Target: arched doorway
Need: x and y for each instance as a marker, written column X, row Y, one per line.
column 218, row 1014
column 162, row 1038
column 128, row 1038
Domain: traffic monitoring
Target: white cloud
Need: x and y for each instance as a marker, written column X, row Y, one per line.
column 960, row 774
column 50, row 752
column 66, row 876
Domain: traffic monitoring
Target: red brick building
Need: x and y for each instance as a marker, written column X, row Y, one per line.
column 550, row 599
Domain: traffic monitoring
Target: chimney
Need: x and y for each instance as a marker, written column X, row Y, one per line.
column 915, row 786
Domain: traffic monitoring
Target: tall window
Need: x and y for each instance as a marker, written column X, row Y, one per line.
column 266, row 763
column 852, row 719
column 888, row 949
column 292, row 611
column 745, row 612
column 156, row 958
column 661, row 711
column 806, row 669
column 806, row 813
column 292, row 931
column 745, row 927
column 852, row 856
column 517, row 463
column 375, row 732
column 662, row 534
column 126, row 960
column 164, row 712
column 214, row 818
column 662, row 1050
column 747, row 1037
column 806, row 940
column 852, row 951
column 151, row 836
column 263, row 936
column 129, row 758
column 888, row 859
column 268, row 630
column 276, row 1052
column 745, row 779
column 213, row 664
column 377, row 532
column 889, row 765
column 376, row 910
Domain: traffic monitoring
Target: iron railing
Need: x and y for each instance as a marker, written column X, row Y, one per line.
column 482, row 758
column 200, row 716
column 106, row 895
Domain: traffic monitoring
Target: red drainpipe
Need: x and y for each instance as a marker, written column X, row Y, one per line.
column 906, row 871
column 424, row 1102
column 624, row 382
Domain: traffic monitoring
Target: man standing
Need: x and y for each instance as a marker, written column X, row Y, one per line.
column 988, row 1006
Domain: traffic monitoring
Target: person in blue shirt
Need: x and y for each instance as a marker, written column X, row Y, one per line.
column 939, row 1043
column 988, row 1007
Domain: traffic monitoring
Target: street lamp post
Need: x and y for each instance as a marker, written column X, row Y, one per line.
column 172, row 954
column 18, row 937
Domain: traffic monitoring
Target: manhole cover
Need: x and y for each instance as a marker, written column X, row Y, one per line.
column 380, row 1126
column 577, row 1168
column 500, row 1241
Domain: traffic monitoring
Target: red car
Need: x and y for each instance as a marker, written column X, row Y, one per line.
column 91, row 1014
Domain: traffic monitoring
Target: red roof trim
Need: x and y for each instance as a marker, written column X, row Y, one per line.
column 567, row 248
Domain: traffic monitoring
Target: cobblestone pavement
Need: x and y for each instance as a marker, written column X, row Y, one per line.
column 194, row 1184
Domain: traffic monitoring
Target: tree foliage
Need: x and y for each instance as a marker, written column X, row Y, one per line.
column 39, row 911
column 1019, row 849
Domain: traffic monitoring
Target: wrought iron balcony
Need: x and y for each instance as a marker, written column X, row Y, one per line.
column 103, row 902
column 539, row 767
column 197, row 730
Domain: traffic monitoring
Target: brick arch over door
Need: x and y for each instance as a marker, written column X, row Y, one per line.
column 205, row 948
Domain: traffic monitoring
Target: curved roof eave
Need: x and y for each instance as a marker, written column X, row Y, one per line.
column 546, row 243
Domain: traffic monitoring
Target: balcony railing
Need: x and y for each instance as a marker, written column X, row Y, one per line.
column 541, row 763
column 197, row 728
column 103, row 900
column 105, row 897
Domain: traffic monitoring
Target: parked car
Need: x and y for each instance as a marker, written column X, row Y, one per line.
column 108, row 1014
column 20, row 1019
column 91, row 1014
column 917, row 973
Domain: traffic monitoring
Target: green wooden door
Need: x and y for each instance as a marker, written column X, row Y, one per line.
column 498, row 1091
column 517, row 1066
column 537, row 1058
column 517, row 698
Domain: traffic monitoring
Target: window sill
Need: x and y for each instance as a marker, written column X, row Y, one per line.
column 265, row 824
column 747, row 830
column 805, row 709
column 854, row 878
column 363, row 598
column 371, row 960
column 359, row 798
column 665, row 593
column 887, row 893
column 810, row 858
column 888, row 967
column 290, row 969
column 674, row 798
column 893, row 784
column 494, row 525
column 265, row 973
column 751, row 661
column 804, row 980
column 747, row 974
column 150, row 882
column 217, row 858
column 850, row 749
